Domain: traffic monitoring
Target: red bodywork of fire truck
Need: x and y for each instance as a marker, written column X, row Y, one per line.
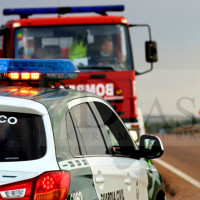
column 53, row 37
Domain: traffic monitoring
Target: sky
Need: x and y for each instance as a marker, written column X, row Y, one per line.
column 172, row 88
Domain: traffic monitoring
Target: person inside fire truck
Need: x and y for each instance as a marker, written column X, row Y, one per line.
column 78, row 48
column 104, row 55
column 29, row 49
column 106, row 51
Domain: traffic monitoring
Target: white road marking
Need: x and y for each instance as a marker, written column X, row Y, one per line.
column 178, row 173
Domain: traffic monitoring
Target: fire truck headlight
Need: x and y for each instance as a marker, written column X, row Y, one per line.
column 134, row 135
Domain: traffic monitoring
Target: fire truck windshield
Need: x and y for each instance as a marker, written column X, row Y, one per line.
column 91, row 48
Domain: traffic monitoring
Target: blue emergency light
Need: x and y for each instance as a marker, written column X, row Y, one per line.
column 52, row 67
column 24, row 12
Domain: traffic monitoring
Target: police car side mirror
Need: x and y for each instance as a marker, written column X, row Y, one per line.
column 150, row 147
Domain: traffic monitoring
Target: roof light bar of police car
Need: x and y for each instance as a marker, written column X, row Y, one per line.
column 30, row 68
column 25, row 12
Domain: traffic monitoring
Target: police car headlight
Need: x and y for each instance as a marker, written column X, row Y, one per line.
column 134, row 135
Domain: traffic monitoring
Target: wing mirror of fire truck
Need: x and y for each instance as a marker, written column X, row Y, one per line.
column 5, row 32
column 150, row 147
column 151, row 51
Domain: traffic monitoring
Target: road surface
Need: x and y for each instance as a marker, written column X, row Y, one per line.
column 180, row 166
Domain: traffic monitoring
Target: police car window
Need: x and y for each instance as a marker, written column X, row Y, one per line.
column 89, row 130
column 111, row 136
column 117, row 133
column 72, row 137
column 22, row 137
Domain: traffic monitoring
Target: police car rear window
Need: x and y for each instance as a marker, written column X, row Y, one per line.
column 22, row 137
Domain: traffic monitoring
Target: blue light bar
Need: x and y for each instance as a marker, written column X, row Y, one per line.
column 24, row 12
column 30, row 11
column 50, row 66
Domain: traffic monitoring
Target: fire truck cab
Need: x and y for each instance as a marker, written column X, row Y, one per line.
column 98, row 44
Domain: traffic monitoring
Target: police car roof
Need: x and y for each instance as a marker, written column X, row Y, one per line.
column 38, row 94
column 45, row 96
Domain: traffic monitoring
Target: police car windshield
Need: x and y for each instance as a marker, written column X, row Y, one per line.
column 103, row 46
column 22, row 137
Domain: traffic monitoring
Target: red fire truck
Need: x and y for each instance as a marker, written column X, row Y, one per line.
column 98, row 44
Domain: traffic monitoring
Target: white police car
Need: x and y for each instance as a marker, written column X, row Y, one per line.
column 58, row 144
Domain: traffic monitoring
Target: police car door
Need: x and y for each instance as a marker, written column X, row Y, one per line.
column 115, row 177
column 131, row 180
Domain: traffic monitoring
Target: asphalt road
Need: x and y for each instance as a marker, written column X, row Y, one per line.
column 182, row 153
